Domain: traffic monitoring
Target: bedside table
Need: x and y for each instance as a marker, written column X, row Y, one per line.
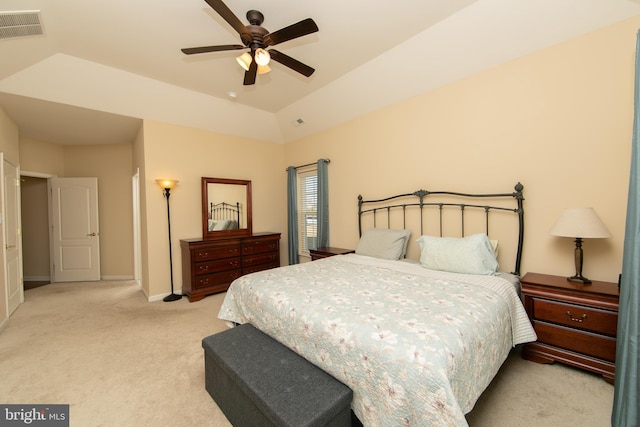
column 576, row 324
column 328, row 251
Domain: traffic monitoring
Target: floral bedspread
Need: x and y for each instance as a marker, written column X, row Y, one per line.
column 416, row 346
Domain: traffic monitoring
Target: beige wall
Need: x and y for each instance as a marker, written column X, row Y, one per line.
column 186, row 155
column 41, row 157
column 111, row 164
column 559, row 121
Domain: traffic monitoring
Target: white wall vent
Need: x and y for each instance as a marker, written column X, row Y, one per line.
column 20, row 24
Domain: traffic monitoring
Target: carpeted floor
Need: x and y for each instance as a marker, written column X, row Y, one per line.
column 119, row 360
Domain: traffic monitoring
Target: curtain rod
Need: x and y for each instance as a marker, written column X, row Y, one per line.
column 309, row 164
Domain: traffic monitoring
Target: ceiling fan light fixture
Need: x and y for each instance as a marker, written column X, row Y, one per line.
column 263, row 69
column 244, row 60
column 262, row 57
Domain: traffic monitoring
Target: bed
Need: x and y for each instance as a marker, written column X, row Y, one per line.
column 224, row 216
column 417, row 338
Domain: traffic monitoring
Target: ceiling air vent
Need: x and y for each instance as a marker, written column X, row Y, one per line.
column 20, row 24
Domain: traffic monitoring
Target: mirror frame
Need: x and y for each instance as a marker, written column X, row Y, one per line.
column 206, row 234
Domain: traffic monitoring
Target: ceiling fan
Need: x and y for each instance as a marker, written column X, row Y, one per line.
column 257, row 39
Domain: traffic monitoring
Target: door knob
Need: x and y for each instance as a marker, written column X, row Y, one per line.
column 92, row 235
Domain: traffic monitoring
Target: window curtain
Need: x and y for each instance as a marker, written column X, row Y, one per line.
column 323, row 203
column 292, row 215
column 626, row 398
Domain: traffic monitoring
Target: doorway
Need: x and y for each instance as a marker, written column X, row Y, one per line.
column 35, row 231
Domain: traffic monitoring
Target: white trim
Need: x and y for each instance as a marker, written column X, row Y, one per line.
column 116, row 278
column 37, row 174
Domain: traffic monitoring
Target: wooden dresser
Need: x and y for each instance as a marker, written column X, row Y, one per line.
column 209, row 266
column 576, row 323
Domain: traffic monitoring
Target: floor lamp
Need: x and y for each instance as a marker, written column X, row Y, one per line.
column 168, row 184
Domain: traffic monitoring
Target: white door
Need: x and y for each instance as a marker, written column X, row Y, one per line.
column 13, row 241
column 75, row 235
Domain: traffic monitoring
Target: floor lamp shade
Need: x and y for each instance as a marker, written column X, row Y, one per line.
column 579, row 223
column 168, row 184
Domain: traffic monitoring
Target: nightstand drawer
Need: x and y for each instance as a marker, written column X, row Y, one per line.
column 576, row 316
column 582, row 342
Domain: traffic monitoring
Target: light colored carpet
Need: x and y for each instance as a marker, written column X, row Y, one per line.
column 119, row 360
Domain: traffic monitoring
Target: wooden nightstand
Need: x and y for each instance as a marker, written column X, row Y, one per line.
column 328, row 251
column 576, row 324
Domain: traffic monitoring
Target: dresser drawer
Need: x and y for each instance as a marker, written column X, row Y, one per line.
column 216, row 253
column 580, row 341
column 210, row 280
column 264, row 258
column 259, row 267
column 576, row 316
column 259, row 246
column 209, row 267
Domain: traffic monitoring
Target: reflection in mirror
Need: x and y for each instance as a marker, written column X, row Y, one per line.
column 226, row 207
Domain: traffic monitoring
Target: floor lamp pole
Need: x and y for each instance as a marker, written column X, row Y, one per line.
column 173, row 296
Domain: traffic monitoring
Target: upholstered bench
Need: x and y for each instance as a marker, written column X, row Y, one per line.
column 256, row 381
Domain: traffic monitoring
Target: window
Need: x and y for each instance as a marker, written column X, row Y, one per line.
column 307, row 187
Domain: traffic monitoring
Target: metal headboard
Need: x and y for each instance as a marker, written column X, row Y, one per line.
column 424, row 201
column 223, row 210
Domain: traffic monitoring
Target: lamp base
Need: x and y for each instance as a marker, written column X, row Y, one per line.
column 579, row 279
column 172, row 297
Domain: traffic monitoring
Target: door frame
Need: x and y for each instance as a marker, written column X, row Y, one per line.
column 43, row 176
column 137, row 230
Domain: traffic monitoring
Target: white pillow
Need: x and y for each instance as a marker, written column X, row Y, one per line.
column 223, row 224
column 495, row 244
column 384, row 243
column 472, row 255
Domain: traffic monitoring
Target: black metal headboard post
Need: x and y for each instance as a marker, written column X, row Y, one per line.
column 421, row 203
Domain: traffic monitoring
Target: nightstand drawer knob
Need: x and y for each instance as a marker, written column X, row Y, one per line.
column 574, row 319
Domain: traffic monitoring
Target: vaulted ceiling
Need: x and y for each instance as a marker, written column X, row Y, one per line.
column 98, row 68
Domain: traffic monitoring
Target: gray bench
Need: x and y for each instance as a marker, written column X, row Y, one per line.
column 256, row 381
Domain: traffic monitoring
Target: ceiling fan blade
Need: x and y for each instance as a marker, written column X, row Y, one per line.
column 205, row 49
column 288, row 61
column 230, row 17
column 299, row 29
column 250, row 76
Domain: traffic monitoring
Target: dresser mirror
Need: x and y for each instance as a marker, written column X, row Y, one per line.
column 226, row 207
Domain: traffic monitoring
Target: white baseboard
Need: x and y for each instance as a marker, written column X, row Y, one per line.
column 116, row 278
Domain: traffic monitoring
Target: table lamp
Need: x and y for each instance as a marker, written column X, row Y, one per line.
column 579, row 223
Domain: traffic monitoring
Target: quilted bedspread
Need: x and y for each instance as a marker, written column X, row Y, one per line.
column 416, row 346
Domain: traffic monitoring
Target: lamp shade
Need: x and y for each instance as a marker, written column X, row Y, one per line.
column 262, row 57
column 580, row 222
column 166, row 183
column 244, row 60
column 263, row 69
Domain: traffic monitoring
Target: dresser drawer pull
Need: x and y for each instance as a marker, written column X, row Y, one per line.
column 574, row 319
